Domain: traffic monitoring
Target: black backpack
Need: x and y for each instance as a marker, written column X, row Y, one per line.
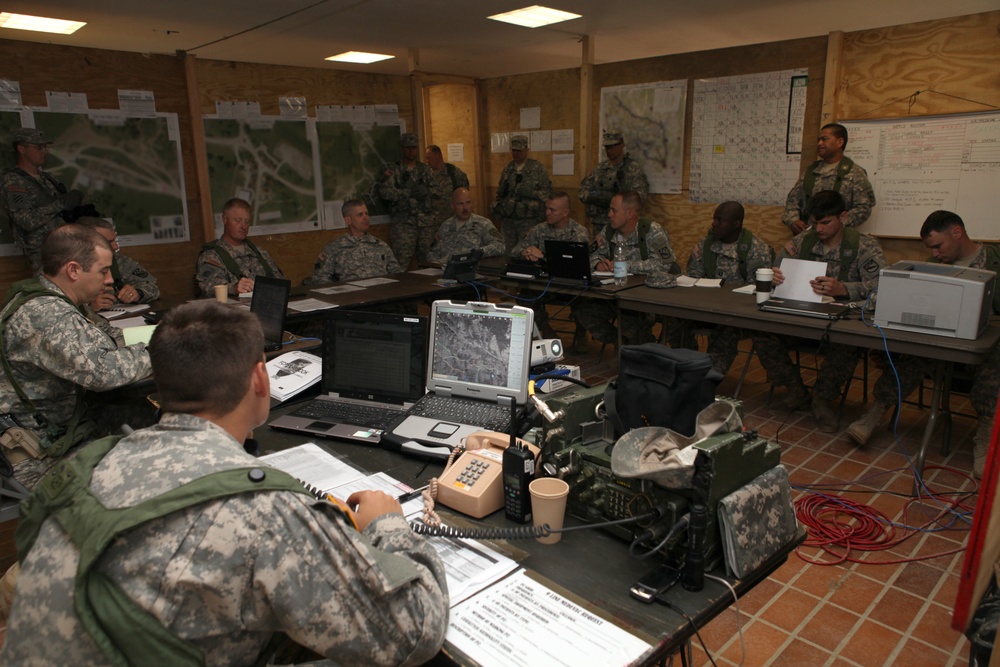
column 660, row 386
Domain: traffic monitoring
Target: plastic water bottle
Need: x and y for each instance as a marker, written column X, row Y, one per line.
column 621, row 264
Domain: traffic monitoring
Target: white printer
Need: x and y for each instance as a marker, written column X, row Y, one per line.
column 939, row 299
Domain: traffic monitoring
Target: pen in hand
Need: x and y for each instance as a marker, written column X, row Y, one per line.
column 410, row 495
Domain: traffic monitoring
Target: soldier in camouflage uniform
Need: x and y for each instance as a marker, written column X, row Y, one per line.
column 464, row 232
column 132, row 283
column 357, row 254
column 234, row 260
column 33, row 200
column 407, row 187
column 618, row 173
column 944, row 234
column 56, row 346
column 524, row 186
column 734, row 254
column 447, row 179
column 357, row 586
column 647, row 251
column 558, row 226
column 853, row 262
column 832, row 171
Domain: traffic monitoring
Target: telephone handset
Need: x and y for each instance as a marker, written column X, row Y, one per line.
column 473, row 484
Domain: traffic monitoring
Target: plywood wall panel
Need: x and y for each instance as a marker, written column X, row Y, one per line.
column 221, row 80
column 557, row 93
column 100, row 74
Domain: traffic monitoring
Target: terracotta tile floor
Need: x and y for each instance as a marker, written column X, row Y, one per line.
column 849, row 614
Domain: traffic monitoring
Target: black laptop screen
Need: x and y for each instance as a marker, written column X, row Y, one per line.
column 269, row 303
column 375, row 356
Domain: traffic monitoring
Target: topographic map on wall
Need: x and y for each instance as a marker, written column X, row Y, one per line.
column 129, row 168
column 352, row 158
column 746, row 137
column 651, row 118
column 269, row 162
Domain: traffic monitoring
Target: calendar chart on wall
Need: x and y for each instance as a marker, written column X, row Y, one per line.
column 920, row 165
column 746, row 137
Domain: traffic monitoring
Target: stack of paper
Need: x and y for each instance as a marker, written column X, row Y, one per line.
column 293, row 372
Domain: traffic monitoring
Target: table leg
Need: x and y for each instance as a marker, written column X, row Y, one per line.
column 940, row 375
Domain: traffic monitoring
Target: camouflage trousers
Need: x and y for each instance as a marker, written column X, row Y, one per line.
column 514, row 231
column 598, row 317
column 723, row 342
column 912, row 370
column 409, row 239
column 838, row 364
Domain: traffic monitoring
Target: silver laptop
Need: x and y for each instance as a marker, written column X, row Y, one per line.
column 373, row 372
column 477, row 376
column 824, row 311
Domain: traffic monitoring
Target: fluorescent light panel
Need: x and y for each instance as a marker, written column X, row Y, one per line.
column 39, row 23
column 535, row 16
column 359, row 57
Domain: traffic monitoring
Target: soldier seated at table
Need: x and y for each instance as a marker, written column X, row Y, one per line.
column 355, row 255
column 733, row 254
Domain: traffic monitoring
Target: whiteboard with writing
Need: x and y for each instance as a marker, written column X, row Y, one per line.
column 921, row 165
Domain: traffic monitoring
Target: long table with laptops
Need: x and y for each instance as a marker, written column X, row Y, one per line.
column 727, row 307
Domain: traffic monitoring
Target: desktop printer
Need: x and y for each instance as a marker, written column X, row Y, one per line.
column 939, row 299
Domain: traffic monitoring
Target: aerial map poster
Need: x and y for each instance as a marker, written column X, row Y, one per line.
column 651, row 118
column 746, row 137
column 352, row 158
column 129, row 168
column 271, row 163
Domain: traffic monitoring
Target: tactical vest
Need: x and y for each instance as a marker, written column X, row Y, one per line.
column 54, row 439
column 230, row 263
column 848, row 249
column 809, row 180
column 126, row 633
column 742, row 250
column 644, row 226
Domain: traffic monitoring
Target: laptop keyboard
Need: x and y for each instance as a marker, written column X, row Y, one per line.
column 350, row 413
column 490, row 416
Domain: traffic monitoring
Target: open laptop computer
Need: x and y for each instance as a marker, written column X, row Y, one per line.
column 569, row 262
column 478, row 366
column 373, row 372
column 462, row 267
column 269, row 304
column 824, row 311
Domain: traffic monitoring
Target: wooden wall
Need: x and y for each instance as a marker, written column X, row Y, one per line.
column 877, row 67
column 882, row 69
column 100, row 74
column 876, row 71
column 557, row 93
column 219, row 80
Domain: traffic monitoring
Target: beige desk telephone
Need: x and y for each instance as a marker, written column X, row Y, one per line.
column 473, row 484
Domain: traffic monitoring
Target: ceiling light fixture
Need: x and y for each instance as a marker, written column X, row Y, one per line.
column 535, row 16
column 39, row 23
column 359, row 57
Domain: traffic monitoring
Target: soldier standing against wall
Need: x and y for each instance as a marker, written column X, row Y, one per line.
column 619, row 173
column 521, row 194
column 407, row 186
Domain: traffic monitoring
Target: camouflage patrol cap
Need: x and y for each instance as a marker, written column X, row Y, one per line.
column 613, row 139
column 30, row 135
column 409, row 140
column 519, row 142
column 665, row 456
